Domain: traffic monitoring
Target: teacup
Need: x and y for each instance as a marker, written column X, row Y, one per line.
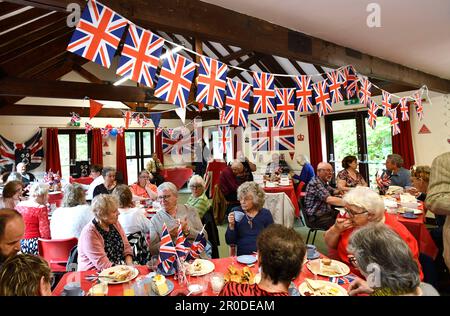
column 311, row 251
column 238, row 216
column 73, row 289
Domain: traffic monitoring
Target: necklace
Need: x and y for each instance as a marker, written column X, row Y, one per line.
column 249, row 221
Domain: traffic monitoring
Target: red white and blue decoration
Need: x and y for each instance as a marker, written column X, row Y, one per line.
column 211, row 82
column 177, row 142
column 266, row 137
column 263, row 93
column 372, row 114
column 364, row 92
column 225, row 137
column 419, row 106
column 237, row 103
column 197, row 247
column 394, row 122
column 30, row 152
column 285, row 100
column 304, row 94
column 404, row 109
column 386, row 103
column 351, row 81
column 167, row 251
column 323, row 101
column 335, row 81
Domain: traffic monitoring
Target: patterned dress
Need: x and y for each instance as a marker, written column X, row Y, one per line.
column 37, row 225
column 113, row 243
column 349, row 181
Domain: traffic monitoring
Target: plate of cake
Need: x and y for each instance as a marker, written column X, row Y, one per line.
column 160, row 285
column 321, row 288
column 330, row 268
column 200, row 267
column 118, row 274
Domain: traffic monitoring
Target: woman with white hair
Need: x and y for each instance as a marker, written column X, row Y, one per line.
column 245, row 222
column 386, row 262
column 35, row 215
column 198, row 198
column 364, row 206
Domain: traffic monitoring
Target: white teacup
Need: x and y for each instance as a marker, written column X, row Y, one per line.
column 238, row 216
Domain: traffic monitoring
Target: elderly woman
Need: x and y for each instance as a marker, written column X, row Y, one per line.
column 364, row 206
column 143, row 189
column 35, row 215
column 386, row 262
column 278, row 268
column 420, row 178
column 134, row 223
column 173, row 214
column 198, row 198
column 68, row 221
column 11, row 194
column 349, row 177
column 109, row 184
column 103, row 243
column 254, row 218
column 25, row 275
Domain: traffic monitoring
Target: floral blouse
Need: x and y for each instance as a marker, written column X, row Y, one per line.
column 351, row 182
column 114, row 247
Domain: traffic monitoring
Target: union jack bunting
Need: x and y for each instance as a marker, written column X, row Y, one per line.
column 98, row 34
column 181, row 244
column 175, row 80
column 266, row 137
column 197, row 247
column 221, row 116
column 364, row 92
column 104, row 132
column 334, row 86
column 177, row 142
column 404, row 109
column 372, row 119
column 140, row 56
column 419, row 106
column 197, row 107
column 237, row 102
column 323, row 101
column 88, row 127
column 351, row 81
column 386, row 103
column 158, row 130
column 30, row 153
column 304, row 93
column 167, row 251
column 395, row 122
column 285, row 99
column 211, row 82
column 263, row 93
column 225, row 136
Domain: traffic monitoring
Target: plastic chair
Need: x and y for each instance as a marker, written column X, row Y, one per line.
column 56, row 252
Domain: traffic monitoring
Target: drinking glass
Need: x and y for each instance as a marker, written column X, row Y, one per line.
column 217, row 282
column 128, row 289
column 99, row 289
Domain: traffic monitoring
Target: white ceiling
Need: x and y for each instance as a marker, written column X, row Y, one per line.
column 414, row 33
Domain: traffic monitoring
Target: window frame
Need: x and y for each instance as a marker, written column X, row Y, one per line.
column 139, row 145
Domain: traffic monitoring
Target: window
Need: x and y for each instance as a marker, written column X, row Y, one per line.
column 139, row 148
column 74, row 145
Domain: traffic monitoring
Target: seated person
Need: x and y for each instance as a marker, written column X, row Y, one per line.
column 278, row 165
column 365, row 206
column 134, row 223
column 198, row 198
column 69, row 220
column 249, row 167
column 155, row 166
column 173, row 214
column 243, row 233
column 387, row 262
column 109, row 184
column 278, row 268
column 12, row 229
column 27, row 177
column 320, row 197
column 420, row 178
column 11, row 195
column 399, row 176
column 229, row 181
column 25, row 275
column 349, row 177
column 96, row 174
column 307, row 172
column 103, row 243
column 143, row 189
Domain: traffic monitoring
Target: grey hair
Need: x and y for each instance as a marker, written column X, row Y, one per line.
column 103, row 204
column 37, row 189
column 168, row 186
column 380, row 245
column 73, row 195
column 366, row 198
column 14, row 176
column 196, row 179
column 396, row 159
column 108, row 169
column 255, row 190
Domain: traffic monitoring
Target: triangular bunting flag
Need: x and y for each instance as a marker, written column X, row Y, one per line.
column 419, row 106
column 156, row 118
column 404, row 109
column 292, row 153
column 424, row 130
column 94, row 108
column 181, row 113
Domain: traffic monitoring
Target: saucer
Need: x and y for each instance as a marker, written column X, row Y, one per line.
column 64, row 293
column 315, row 256
column 410, row 216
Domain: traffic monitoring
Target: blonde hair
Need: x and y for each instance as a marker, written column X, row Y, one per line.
column 421, row 172
column 367, row 199
column 73, row 195
column 38, row 189
column 102, row 205
column 123, row 195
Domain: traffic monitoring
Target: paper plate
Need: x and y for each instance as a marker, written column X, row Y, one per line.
column 246, row 259
column 206, row 267
column 329, row 289
column 341, row 269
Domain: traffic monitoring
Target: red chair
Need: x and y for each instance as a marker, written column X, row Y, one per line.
column 56, row 252
column 298, row 191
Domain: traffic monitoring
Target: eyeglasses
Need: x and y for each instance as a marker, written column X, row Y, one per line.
column 354, row 214
column 326, row 170
column 196, row 186
column 164, row 197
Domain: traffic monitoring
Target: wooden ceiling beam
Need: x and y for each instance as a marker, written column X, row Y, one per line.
column 276, row 68
column 21, row 18
column 297, row 67
column 245, row 64
column 43, row 110
column 235, row 55
column 8, row 7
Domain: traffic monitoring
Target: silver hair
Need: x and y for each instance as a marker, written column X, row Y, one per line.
column 73, row 195
column 104, row 204
column 14, row 176
column 196, row 179
column 366, row 198
column 37, row 189
column 168, row 186
column 378, row 244
column 106, row 170
column 395, row 159
column 255, row 190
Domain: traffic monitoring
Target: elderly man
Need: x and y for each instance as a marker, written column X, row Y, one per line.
column 27, row 177
column 438, row 197
column 320, row 197
column 399, row 176
column 12, row 229
column 172, row 214
column 229, row 181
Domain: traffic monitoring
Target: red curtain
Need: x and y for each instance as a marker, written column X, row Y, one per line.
column 97, row 147
column 158, row 147
column 315, row 140
column 121, row 157
column 402, row 143
column 52, row 159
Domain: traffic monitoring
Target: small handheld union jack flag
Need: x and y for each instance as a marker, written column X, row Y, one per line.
column 383, row 180
column 182, row 246
column 197, row 246
column 404, row 109
column 167, row 251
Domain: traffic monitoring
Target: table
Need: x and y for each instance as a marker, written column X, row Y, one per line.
column 55, row 198
column 290, row 192
column 221, row 265
column 178, row 176
column 81, row 180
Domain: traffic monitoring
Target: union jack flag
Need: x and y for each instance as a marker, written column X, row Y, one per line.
column 199, row 107
column 304, row 93
column 263, row 93
column 386, row 103
column 383, row 181
column 285, row 99
column 404, row 109
column 225, row 136
column 419, row 106
column 266, row 137
column 334, row 86
column 176, row 142
column 30, row 153
column 181, row 244
column 98, row 34
column 395, row 122
column 323, row 101
column 140, row 56
column 211, row 78
column 197, row 247
column 237, row 102
column 364, row 92
column 167, row 251
column 372, row 119
column 221, row 116
column 175, row 80
column 351, row 81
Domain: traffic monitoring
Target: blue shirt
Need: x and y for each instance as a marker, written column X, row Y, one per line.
column 402, row 178
column 306, row 174
column 243, row 235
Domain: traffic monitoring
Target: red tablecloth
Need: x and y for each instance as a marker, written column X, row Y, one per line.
column 216, row 168
column 55, row 198
column 178, row 176
column 82, row 180
column 290, row 192
column 221, row 265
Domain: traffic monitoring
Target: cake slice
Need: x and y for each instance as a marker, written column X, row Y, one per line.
column 314, row 285
column 160, row 285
